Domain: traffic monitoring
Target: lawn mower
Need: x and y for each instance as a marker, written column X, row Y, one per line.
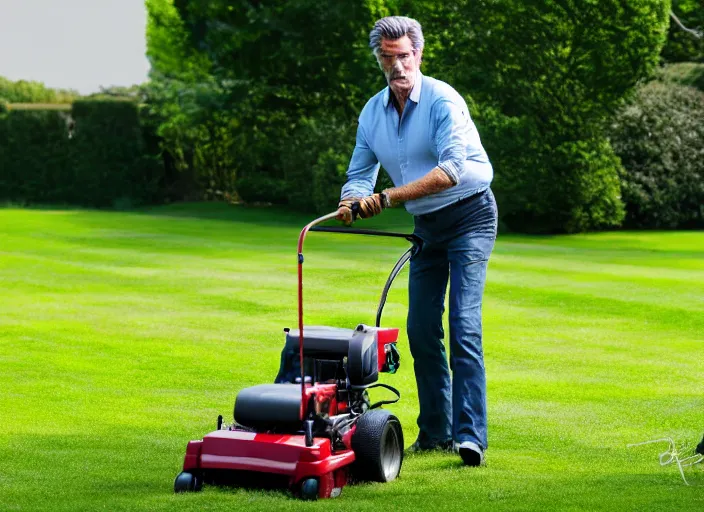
column 315, row 429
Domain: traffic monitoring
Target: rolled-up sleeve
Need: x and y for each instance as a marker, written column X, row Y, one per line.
column 451, row 137
column 363, row 169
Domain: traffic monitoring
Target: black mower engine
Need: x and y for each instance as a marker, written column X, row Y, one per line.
column 333, row 354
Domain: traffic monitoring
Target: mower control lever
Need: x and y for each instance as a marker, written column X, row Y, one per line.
column 355, row 210
column 308, row 430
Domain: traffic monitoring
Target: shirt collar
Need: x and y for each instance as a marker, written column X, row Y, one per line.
column 415, row 92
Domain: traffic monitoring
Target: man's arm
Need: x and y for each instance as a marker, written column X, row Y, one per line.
column 435, row 181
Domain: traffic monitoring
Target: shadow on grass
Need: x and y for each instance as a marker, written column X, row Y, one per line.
column 229, row 481
column 232, row 481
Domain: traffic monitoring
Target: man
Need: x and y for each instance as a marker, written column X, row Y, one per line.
column 420, row 130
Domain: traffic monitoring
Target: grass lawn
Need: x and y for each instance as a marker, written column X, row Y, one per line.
column 124, row 335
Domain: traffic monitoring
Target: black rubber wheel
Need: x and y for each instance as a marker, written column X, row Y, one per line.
column 188, row 482
column 309, row 489
column 378, row 446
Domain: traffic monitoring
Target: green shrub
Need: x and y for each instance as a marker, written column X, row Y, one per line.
column 315, row 162
column 659, row 137
column 94, row 156
column 328, row 176
column 545, row 185
column 260, row 144
column 683, row 73
column 110, row 162
column 35, row 160
column 23, row 91
column 683, row 46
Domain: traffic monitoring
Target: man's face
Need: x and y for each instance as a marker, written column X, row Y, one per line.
column 399, row 62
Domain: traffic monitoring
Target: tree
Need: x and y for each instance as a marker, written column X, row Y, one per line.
column 684, row 38
column 546, row 76
column 23, row 91
column 185, row 106
column 284, row 67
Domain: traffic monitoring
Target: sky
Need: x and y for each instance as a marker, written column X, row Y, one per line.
column 74, row 44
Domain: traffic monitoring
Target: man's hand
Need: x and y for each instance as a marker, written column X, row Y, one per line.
column 344, row 210
column 370, row 206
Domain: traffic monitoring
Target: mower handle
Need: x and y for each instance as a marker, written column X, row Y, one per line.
column 312, row 226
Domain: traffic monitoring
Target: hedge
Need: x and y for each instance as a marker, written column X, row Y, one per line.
column 109, row 157
column 93, row 156
column 36, row 157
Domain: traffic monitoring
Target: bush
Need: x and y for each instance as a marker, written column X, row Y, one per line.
column 544, row 185
column 315, row 162
column 659, row 137
column 110, row 162
column 683, row 73
column 102, row 161
column 23, row 91
column 260, row 145
column 277, row 75
column 35, row 160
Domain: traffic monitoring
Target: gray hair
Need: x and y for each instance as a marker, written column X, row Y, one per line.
column 395, row 27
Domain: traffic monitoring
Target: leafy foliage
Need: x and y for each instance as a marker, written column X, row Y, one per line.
column 683, row 46
column 548, row 186
column 23, row 91
column 100, row 161
column 565, row 63
column 659, row 137
column 36, row 159
column 317, row 156
column 110, row 160
column 278, row 79
column 683, row 73
column 546, row 76
column 185, row 108
column 281, row 96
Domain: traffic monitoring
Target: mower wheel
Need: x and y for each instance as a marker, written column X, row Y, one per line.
column 378, row 446
column 187, row 482
column 309, row 489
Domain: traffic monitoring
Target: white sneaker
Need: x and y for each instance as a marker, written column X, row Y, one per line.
column 471, row 453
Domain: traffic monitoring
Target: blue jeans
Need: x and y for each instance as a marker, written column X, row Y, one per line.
column 457, row 242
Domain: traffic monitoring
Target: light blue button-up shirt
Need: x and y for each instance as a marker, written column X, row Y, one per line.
column 435, row 130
